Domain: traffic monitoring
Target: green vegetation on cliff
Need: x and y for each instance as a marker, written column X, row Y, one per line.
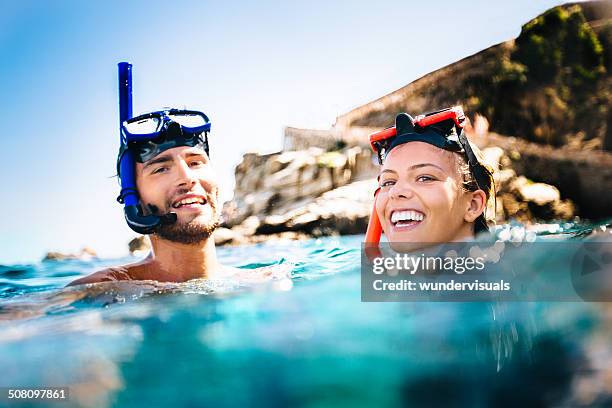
column 554, row 82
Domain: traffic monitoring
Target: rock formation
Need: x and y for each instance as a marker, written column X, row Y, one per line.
column 86, row 253
column 139, row 246
column 284, row 182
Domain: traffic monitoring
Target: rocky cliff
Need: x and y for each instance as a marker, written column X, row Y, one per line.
column 309, row 192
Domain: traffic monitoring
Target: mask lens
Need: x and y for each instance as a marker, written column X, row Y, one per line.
column 143, row 126
column 188, row 120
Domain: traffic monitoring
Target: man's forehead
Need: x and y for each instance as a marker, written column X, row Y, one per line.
column 180, row 151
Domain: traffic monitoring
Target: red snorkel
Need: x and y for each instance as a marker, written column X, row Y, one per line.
column 373, row 233
column 380, row 142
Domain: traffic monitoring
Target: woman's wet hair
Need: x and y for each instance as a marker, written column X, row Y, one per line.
column 481, row 224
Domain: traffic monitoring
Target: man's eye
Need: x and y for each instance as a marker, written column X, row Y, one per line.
column 196, row 163
column 159, row 170
column 387, row 183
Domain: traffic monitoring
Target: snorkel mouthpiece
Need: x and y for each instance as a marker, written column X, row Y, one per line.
column 146, row 224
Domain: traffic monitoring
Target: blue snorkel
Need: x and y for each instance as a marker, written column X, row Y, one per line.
column 144, row 137
column 143, row 224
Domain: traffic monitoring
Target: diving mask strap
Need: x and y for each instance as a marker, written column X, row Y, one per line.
column 477, row 168
column 479, row 172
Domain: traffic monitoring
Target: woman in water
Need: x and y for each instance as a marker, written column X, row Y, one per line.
column 434, row 186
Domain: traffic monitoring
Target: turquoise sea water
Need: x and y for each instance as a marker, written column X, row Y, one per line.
column 307, row 341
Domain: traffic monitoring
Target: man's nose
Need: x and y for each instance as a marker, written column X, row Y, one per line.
column 186, row 176
column 401, row 190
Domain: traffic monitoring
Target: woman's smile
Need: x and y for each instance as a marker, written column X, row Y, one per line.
column 405, row 219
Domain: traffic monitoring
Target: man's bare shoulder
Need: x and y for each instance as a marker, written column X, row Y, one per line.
column 115, row 273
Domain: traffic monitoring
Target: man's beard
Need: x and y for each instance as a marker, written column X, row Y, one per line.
column 190, row 233
column 193, row 232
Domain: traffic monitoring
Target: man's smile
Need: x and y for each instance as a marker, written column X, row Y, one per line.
column 189, row 201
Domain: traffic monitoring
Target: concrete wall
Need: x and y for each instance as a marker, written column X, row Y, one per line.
column 331, row 139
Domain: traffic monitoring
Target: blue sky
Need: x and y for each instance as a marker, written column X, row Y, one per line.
column 253, row 67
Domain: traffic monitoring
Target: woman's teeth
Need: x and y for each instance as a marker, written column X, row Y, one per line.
column 405, row 217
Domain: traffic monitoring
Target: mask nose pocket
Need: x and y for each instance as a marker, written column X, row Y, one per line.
column 172, row 130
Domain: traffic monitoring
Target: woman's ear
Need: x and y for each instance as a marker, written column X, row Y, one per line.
column 476, row 205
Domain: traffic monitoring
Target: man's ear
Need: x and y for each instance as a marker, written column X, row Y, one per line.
column 476, row 205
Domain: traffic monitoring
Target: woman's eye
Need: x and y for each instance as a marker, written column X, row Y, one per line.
column 387, row 183
column 425, row 178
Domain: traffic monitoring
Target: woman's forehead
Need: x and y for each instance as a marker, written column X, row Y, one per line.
column 411, row 153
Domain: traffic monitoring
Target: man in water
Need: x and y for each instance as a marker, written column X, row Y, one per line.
column 176, row 198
